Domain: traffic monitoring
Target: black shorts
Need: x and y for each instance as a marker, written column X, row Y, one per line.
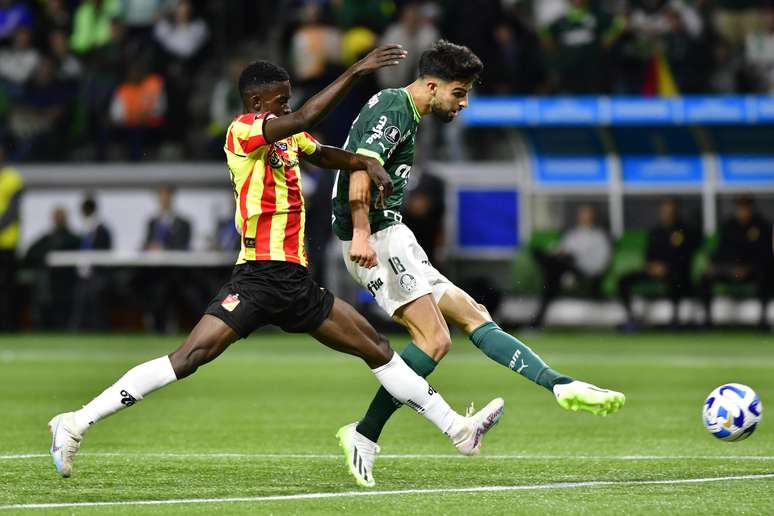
column 271, row 292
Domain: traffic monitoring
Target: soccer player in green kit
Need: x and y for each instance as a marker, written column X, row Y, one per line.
column 383, row 256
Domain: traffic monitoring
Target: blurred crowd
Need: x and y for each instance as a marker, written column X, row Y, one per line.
column 156, row 79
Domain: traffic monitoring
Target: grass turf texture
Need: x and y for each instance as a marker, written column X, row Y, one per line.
column 215, row 434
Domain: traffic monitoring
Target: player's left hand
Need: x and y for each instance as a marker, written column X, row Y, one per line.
column 386, row 55
column 361, row 251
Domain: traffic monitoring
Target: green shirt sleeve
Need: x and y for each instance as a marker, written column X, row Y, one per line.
column 382, row 129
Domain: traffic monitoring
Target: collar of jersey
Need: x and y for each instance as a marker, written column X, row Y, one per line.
column 417, row 116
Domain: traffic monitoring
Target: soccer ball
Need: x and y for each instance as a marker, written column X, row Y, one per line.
column 732, row 412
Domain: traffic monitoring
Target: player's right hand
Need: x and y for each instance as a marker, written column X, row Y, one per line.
column 362, row 253
column 381, row 179
column 386, row 55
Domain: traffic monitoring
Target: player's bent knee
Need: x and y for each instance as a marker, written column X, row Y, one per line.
column 441, row 345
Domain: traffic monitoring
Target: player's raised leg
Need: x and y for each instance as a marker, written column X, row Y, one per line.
column 473, row 319
column 347, row 331
column 209, row 338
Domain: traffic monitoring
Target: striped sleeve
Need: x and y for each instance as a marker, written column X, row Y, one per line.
column 307, row 144
column 245, row 135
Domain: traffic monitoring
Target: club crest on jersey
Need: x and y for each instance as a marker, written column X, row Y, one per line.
column 392, row 134
column 407, row 282
column 230, row 302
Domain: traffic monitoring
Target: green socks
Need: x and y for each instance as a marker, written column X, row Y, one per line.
column 509, row 351
column 384, row 405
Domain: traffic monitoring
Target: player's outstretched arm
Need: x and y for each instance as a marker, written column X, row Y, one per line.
column 333, row 158
column 316, row 108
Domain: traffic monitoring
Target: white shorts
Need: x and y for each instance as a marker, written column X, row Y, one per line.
column 403, row 272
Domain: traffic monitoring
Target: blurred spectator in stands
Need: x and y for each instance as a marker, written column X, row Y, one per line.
column 55, row 16
column 89, row 299
column 68, row 68
column 759, row 52
column 52, row 294
column 225, row 104
column 138, row 109
column 14, row 15
column 167, row 230
column 416, row 32
column 312, row 48
column 583, row 254
column 17, row 63
column 11, row 189
column 40, row 115
column 167, row 288
column 179, row 34
column 735, row 19
column 743, row 255
column 141, row 15
column 517, row 59
column 686, row 54
column 668, row 259
column 356, row 13
column 181, row 37
column 91, row 24
column 581, row 36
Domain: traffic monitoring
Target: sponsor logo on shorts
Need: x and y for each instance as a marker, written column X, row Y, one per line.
column 230, row 302
column 374, row 286
column 407, row 282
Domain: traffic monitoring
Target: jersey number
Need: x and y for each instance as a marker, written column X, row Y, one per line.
column 403, row 171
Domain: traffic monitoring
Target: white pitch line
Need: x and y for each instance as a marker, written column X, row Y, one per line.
column 352, row 494
column 395, row 456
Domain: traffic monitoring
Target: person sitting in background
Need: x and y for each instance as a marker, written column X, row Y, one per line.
column 167, row 230
column 166, row 288
column 138, row 108
column 225, row 104
column 743, row 255
column 88, row 303
column 52, row 295
column 179, row 34
column 583, row 253
column 18, row 63
column 671, row 246
column 68, row 68
column 40, row 114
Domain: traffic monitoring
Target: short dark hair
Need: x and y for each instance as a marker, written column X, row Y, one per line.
column 746, row 200
column 88, row 206
column 450, row 62
column 260, row 73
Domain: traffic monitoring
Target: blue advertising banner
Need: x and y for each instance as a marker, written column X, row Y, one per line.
column 620, row 111
column 487, row 218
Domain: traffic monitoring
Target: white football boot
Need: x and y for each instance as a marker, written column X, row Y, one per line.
column 65, row 442
column 468, row 441
column 578, row 395
column 359, row 454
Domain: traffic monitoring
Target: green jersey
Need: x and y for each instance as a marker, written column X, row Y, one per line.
column 384, row 129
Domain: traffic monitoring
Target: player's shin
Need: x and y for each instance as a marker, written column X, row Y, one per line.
column 129, row 389
column 383, row 406
column 509, row 351
column 410, row 389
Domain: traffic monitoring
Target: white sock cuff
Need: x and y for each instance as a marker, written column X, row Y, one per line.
column 396, row 359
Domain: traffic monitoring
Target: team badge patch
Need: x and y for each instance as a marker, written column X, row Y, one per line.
column 230, row 302
column 407, row 282
column 392, row 134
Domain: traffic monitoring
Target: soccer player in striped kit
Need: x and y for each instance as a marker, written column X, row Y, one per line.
column 270, row 283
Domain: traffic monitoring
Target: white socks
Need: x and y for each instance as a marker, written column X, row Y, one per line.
column 413, row 391
column 129, row 389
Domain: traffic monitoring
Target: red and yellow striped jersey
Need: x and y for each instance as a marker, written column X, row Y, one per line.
column 270, row 211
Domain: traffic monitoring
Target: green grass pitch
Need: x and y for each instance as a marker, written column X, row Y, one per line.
column 260, row 422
